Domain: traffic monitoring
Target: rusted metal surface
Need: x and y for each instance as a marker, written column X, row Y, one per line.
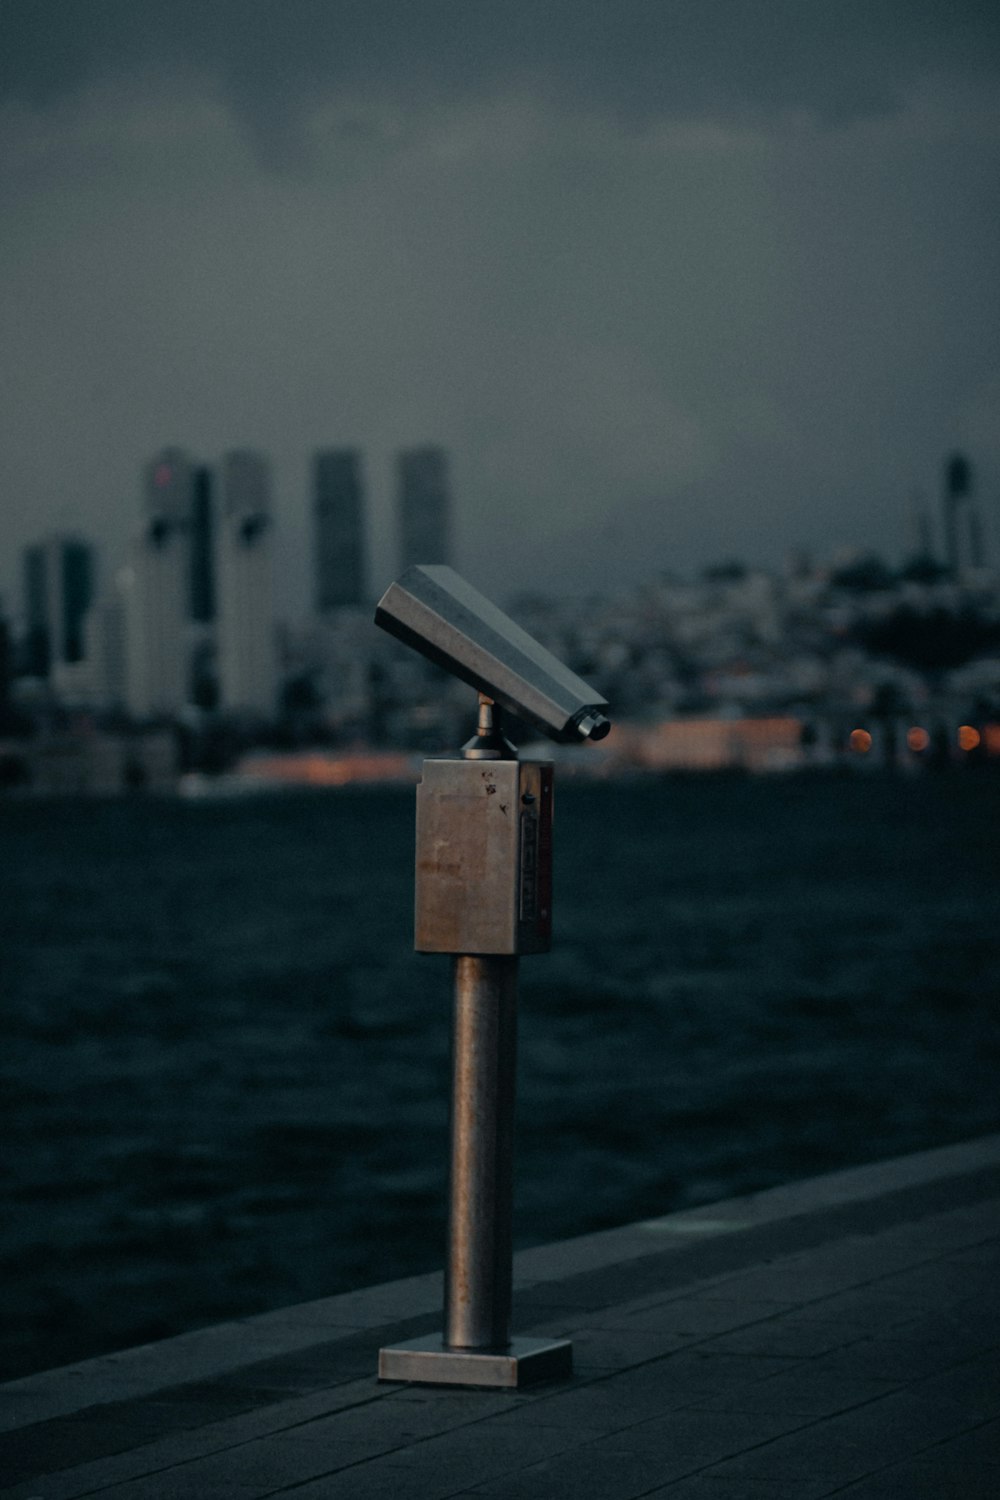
column 477, row 1273
column 484, row 857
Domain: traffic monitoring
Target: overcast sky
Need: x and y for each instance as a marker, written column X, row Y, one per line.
column 673, row 280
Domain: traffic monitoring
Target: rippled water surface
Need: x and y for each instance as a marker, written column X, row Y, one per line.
column 224, row 1072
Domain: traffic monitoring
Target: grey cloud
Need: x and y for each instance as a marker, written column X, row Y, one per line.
column 652, row 306
column 640, row 59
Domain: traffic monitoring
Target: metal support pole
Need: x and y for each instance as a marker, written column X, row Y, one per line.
column 475, row 1347
column 477, row 1292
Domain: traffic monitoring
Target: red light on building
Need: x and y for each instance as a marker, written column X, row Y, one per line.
column 860, row 740
column 917, row 739
column 968, row 737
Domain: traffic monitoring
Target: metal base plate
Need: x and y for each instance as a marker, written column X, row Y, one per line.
column 523, row 1362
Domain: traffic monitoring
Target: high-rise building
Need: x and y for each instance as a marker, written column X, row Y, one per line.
column 37, row 641
column 339, row 512
column 6, row 662
column 202, row 601
column 156, row 591
column 962, row 523
column 169, row 488
column 247, row 658
column 424, row 506
column 104, row 636
column 58, row 588
column 154, row 603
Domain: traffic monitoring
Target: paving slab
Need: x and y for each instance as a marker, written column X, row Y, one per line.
column 837, row 1336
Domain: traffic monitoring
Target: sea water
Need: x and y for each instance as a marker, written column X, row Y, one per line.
column 224, row 1071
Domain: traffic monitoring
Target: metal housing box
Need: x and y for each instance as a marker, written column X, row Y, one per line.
column 484, row 857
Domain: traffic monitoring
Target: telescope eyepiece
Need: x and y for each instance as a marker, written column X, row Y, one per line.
column 592, row 724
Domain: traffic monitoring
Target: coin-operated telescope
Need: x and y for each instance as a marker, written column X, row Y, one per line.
column 484, row 895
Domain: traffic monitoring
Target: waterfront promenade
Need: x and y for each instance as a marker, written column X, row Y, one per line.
column 839, row 1336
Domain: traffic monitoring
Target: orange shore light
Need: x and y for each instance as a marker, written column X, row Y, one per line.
column 917, row 739
column 860, row 740
column 968, row 737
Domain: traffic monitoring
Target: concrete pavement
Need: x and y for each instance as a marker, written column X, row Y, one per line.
column 839, row 1336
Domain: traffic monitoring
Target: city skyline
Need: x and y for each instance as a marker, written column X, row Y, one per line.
column 814, row 662
column 186, row 615
column 668, row 282
column 177, row 490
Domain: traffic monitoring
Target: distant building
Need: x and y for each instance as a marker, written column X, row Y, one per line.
column 425, row 524
column 339, row 518
column 100, row 764
column 58, row 588
column 156, row 591
column 178, row 497
column 962, row 523
column 6, row 660
column 202, row 600
column 154, row 601
column 169, row 488
column 104, row 639
column 247, row 656
column 37, row 640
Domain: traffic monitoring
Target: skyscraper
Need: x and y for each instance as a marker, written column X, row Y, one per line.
column 104, row 632
column 38, row 639
column 247, row 655
column 424, row 506
column 959, row 507
column 202, row 598
column 169, row 488
column 338, row 509
column 156, row 590
column 58, row 588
